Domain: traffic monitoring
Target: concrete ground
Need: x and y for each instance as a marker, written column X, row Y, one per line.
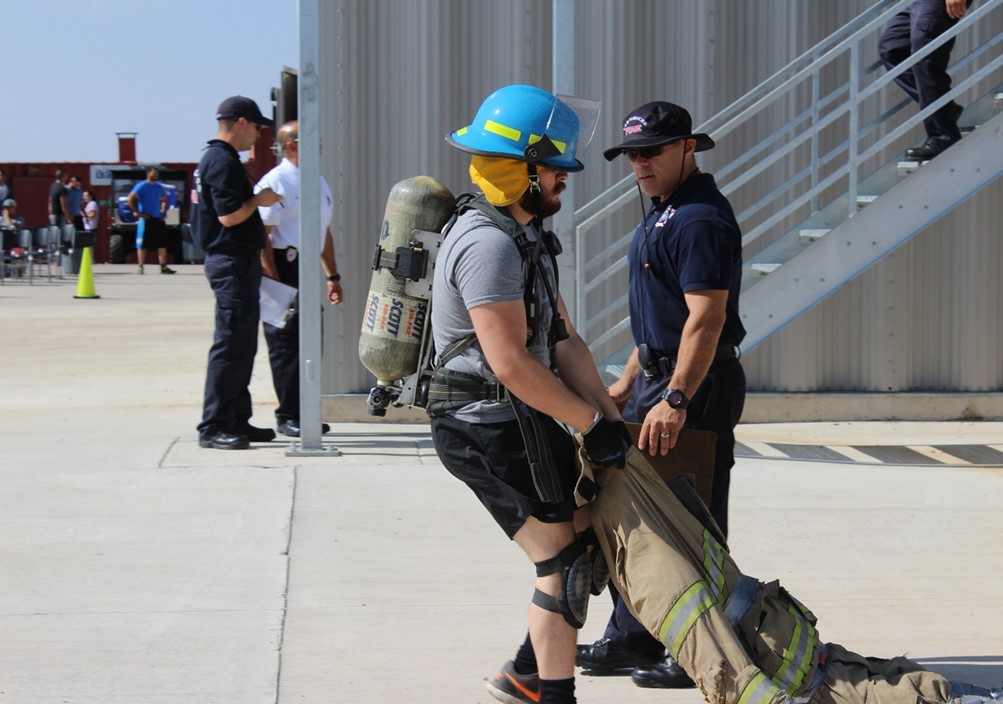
column 137, row 568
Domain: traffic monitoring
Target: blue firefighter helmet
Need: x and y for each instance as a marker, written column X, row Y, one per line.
column 527, row 124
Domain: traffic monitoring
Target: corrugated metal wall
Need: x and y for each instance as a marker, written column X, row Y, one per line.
column 398, row 74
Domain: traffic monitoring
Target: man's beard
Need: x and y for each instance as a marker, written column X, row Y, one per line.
column 541, row 204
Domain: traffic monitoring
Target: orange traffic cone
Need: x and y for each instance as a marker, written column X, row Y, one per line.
column 85, row 281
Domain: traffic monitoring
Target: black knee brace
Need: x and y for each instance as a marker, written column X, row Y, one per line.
column 581, row 575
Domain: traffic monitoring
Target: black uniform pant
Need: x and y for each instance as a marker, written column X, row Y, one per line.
column 716, row 406
column 928, row 79
column 235, row 278
column 284, row 348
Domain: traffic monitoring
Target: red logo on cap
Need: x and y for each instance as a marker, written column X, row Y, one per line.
column 633, row 124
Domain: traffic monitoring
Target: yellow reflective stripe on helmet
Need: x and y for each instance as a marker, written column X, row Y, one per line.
column 693, row 603
column 561, row 146
column 797, row 655
column 760, row 690
column 713, row 563
column 462, row 131
column 502, row 130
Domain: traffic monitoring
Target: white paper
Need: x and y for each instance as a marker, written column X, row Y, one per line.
column 276, row 300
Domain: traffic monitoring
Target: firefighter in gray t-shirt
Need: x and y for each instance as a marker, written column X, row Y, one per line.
column 511, row 370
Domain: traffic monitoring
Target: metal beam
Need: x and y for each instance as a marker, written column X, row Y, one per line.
column 308, row 112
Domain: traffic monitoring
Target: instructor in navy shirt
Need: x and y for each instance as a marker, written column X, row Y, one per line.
column 685, row 264
column 227, row 225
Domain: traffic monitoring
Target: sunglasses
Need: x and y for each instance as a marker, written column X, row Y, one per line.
column 646, row 152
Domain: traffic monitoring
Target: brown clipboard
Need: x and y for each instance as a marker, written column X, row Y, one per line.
column 693, row 454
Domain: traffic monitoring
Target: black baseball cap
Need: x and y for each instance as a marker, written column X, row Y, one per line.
column 239, row 106
column 657, row 123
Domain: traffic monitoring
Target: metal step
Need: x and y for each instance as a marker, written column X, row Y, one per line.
column 907, row 167
column 808, row 236
column 863, row 201
column 764, row 268
column 998, row 99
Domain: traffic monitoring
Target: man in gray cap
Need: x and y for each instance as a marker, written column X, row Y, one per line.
column 685, row 265
column 9, row 219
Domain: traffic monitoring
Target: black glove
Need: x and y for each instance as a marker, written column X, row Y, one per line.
column 605, row 445
column 621, row 427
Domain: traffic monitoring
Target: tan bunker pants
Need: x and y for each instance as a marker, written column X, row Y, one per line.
column 742, row 641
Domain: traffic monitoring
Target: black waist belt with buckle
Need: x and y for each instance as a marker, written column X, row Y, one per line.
column 653, row 363
column 450, row 390
column 288, row 253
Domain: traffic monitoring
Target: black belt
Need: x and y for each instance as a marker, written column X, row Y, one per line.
column 652, row 363
column 450, row 390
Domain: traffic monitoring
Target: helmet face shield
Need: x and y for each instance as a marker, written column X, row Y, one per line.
column 587, row 112
column 528, row 124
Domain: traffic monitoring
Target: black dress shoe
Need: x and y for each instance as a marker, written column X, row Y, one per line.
column 224, row 441
column 607, row 657
column 665, row 674
column 257, row 434
column 292, row 428
column 929, row 150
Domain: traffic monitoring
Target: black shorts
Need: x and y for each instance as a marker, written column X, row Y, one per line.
column 490, row 458
column 154, row 234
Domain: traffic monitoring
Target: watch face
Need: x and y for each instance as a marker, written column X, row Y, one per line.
column 676, row 399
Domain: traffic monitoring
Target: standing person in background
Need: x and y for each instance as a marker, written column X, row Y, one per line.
column 59, row 207
column 90, row 212
column 928, row 79
column 280, row 261
column 228, row 227
column 685, row 268
column 148, row 201
column 74, row 194
column 5, row 191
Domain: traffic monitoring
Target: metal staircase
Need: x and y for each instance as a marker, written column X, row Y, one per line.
column 821, row 193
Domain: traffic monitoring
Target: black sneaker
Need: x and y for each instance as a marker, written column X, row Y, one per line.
column 512, row 688
column 164, row 269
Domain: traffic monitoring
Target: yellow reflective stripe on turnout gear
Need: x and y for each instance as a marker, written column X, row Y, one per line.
column 693, row 603
column 797, row 655
column 502, row 130
column 760, row 690
column 713, row 563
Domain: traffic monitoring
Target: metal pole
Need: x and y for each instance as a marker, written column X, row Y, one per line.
column 308, row 97
column 563, row 68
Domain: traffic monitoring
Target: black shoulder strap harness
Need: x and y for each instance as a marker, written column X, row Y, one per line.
column 451, row 390
column 530, row 253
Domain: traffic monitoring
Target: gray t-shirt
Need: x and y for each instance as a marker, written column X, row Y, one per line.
column 479, row 264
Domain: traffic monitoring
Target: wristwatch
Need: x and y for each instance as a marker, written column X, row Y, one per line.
column 334, row 278
column 676, row 399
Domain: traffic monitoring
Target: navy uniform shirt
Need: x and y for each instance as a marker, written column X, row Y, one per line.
column 222, row 187
column 690, row 242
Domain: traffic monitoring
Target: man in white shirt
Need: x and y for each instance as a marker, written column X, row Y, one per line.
column 279, row 261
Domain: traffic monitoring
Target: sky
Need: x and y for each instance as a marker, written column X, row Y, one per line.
column 78, row 71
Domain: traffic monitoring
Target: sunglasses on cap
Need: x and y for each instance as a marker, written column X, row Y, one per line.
column 647, row 152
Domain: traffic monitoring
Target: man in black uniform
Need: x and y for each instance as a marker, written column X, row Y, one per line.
column 685, row 266
column 226, row 223
column 928, row 79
